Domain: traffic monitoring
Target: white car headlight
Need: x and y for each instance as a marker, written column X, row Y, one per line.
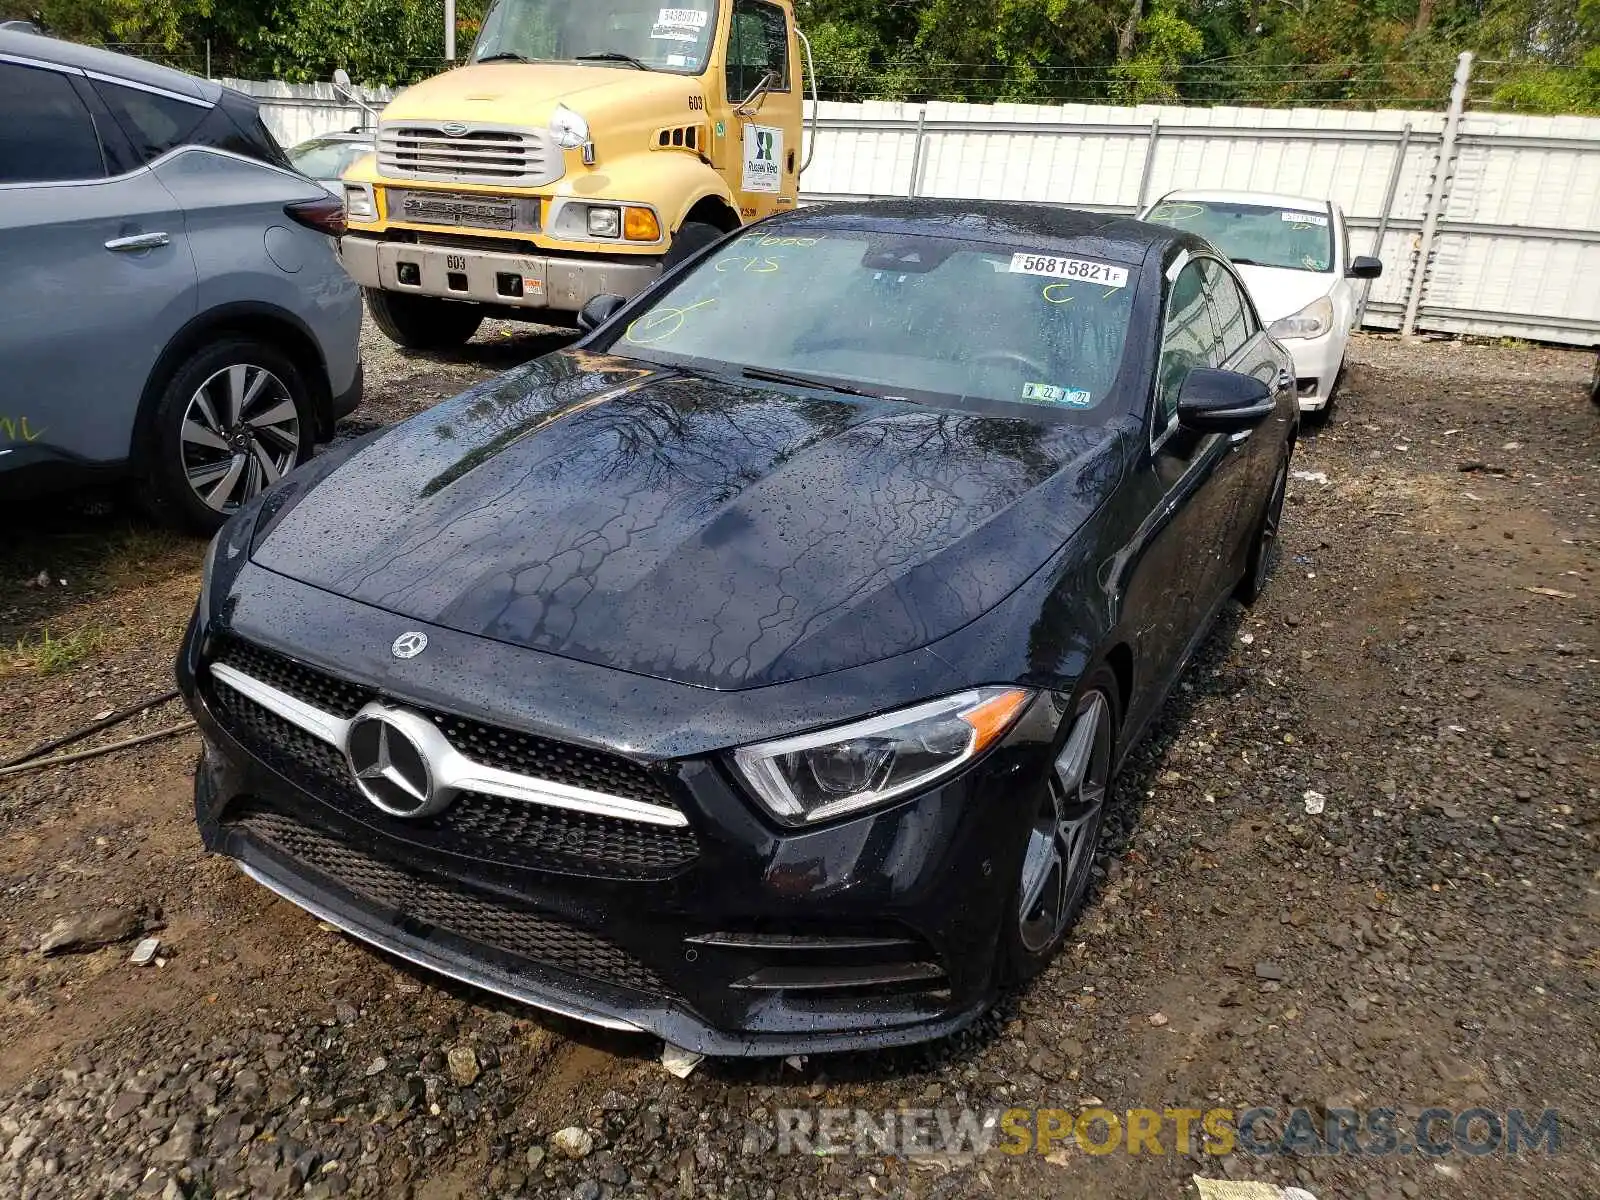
column 851, row 767
column 567, row 128
column 1314, row 320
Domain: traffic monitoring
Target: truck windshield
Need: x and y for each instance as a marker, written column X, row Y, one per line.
column 1298, row 238
column 626, row 34
column 934, row 319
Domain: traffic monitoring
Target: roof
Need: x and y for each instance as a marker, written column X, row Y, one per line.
column 1264, row 199
column 1022, row 225
column 104, row 62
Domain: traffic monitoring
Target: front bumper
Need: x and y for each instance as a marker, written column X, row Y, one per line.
column 737, row 938
column 564, row 283
column 1316, row 366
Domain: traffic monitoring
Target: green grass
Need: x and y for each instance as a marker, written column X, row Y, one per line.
column 51, row 654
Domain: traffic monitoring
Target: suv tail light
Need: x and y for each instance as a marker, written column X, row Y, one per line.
column 325, row 215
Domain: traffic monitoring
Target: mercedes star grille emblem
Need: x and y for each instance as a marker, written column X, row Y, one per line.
column 394, row 755
column 409, row 644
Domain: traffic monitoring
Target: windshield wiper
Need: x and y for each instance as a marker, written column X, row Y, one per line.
column 808, row 381
column 611, row 56
column 1244, row 262
column 505, row 56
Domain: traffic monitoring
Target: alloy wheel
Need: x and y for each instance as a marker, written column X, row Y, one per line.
column 1061, row 844
column 240, row 434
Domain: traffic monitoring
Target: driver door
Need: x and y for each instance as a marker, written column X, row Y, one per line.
column 763, row 172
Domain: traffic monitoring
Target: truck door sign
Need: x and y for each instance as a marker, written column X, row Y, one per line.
column 763, row 149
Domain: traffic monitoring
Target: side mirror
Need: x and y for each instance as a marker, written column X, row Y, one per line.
column 341, row 78
column 749, row 106
column 598, row 311
column 1363, row 266
column 1212, row 401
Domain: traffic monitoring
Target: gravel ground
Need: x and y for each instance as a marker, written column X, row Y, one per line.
column 1424, row 661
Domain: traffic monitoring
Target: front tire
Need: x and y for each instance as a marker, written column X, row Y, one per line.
column 423, row 322
column 233, row 420
column 1063, row 836
column 691, row 238
column 1258, row 566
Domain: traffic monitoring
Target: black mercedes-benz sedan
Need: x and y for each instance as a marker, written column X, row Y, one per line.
column 753, row 671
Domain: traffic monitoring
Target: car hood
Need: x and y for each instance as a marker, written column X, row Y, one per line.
column 1281, row 291
column 690, row 527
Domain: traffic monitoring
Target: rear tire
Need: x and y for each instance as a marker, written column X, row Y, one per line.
column 1063, row 836
column 422, row 322
column 691, row 238
column 236, row 417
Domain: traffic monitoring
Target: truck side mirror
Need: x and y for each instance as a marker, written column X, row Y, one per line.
column 598, row 311
column 1365, row 267
column 749, row 106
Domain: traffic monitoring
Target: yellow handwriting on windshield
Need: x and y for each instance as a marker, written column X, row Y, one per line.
column 1171, row 214
column 755, row 264
column 16, row 429
column 768, row 239
column 662, row 324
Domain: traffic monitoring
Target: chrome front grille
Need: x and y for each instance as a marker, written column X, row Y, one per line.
column 491, row 154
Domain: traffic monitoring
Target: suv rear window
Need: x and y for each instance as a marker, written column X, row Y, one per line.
column 48, row 135
column 153, row 122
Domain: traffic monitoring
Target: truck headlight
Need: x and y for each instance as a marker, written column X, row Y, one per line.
column 568, row 128
column 866, row 763
column 604, row 222
column 359, row 204
column 1314, row 320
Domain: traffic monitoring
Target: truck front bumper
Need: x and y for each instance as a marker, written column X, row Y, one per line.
column 536, row 281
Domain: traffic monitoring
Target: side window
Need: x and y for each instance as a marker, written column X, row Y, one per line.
column 1228, row 309
column 48, row 135
column 153, row 122
column 1188, row 340
column 758, row 45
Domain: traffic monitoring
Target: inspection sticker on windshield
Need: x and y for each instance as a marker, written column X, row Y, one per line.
column 1304, row 218
column 1048, row 393
column 1069, row 268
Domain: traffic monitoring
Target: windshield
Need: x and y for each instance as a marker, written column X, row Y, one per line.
column 1299, row 239
column 636, row 33
column 935, row 319
column 326, row 160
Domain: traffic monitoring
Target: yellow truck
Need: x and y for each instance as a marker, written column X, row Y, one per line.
column 586, row 147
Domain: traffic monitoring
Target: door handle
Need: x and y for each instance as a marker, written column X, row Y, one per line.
column 138, row 241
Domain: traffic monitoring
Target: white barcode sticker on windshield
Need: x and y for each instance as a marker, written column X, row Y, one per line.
column 1305, row 218
column 1054, row 267
column 682, row 18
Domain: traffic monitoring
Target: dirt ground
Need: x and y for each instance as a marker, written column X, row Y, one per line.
column 1424, row 661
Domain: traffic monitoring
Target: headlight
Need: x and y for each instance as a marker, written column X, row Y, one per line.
column 604, row 222
column 1314, row 320
column 568, row 128
column 358, row 203
column 851, row 767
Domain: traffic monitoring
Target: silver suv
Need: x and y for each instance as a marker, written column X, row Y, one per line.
column 172, row 309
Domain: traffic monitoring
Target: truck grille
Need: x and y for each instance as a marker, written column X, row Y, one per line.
column 482, row 154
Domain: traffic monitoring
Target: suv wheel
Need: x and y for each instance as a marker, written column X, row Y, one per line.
column 422, row 322
column 233, row 420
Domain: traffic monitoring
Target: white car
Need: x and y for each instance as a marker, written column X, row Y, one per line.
column 1293, row 253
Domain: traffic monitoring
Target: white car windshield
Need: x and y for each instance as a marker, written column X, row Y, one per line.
column 1297, row 238
column 912, row 316
column 625, row 33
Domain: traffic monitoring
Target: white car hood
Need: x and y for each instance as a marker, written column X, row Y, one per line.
column 1281, row 292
